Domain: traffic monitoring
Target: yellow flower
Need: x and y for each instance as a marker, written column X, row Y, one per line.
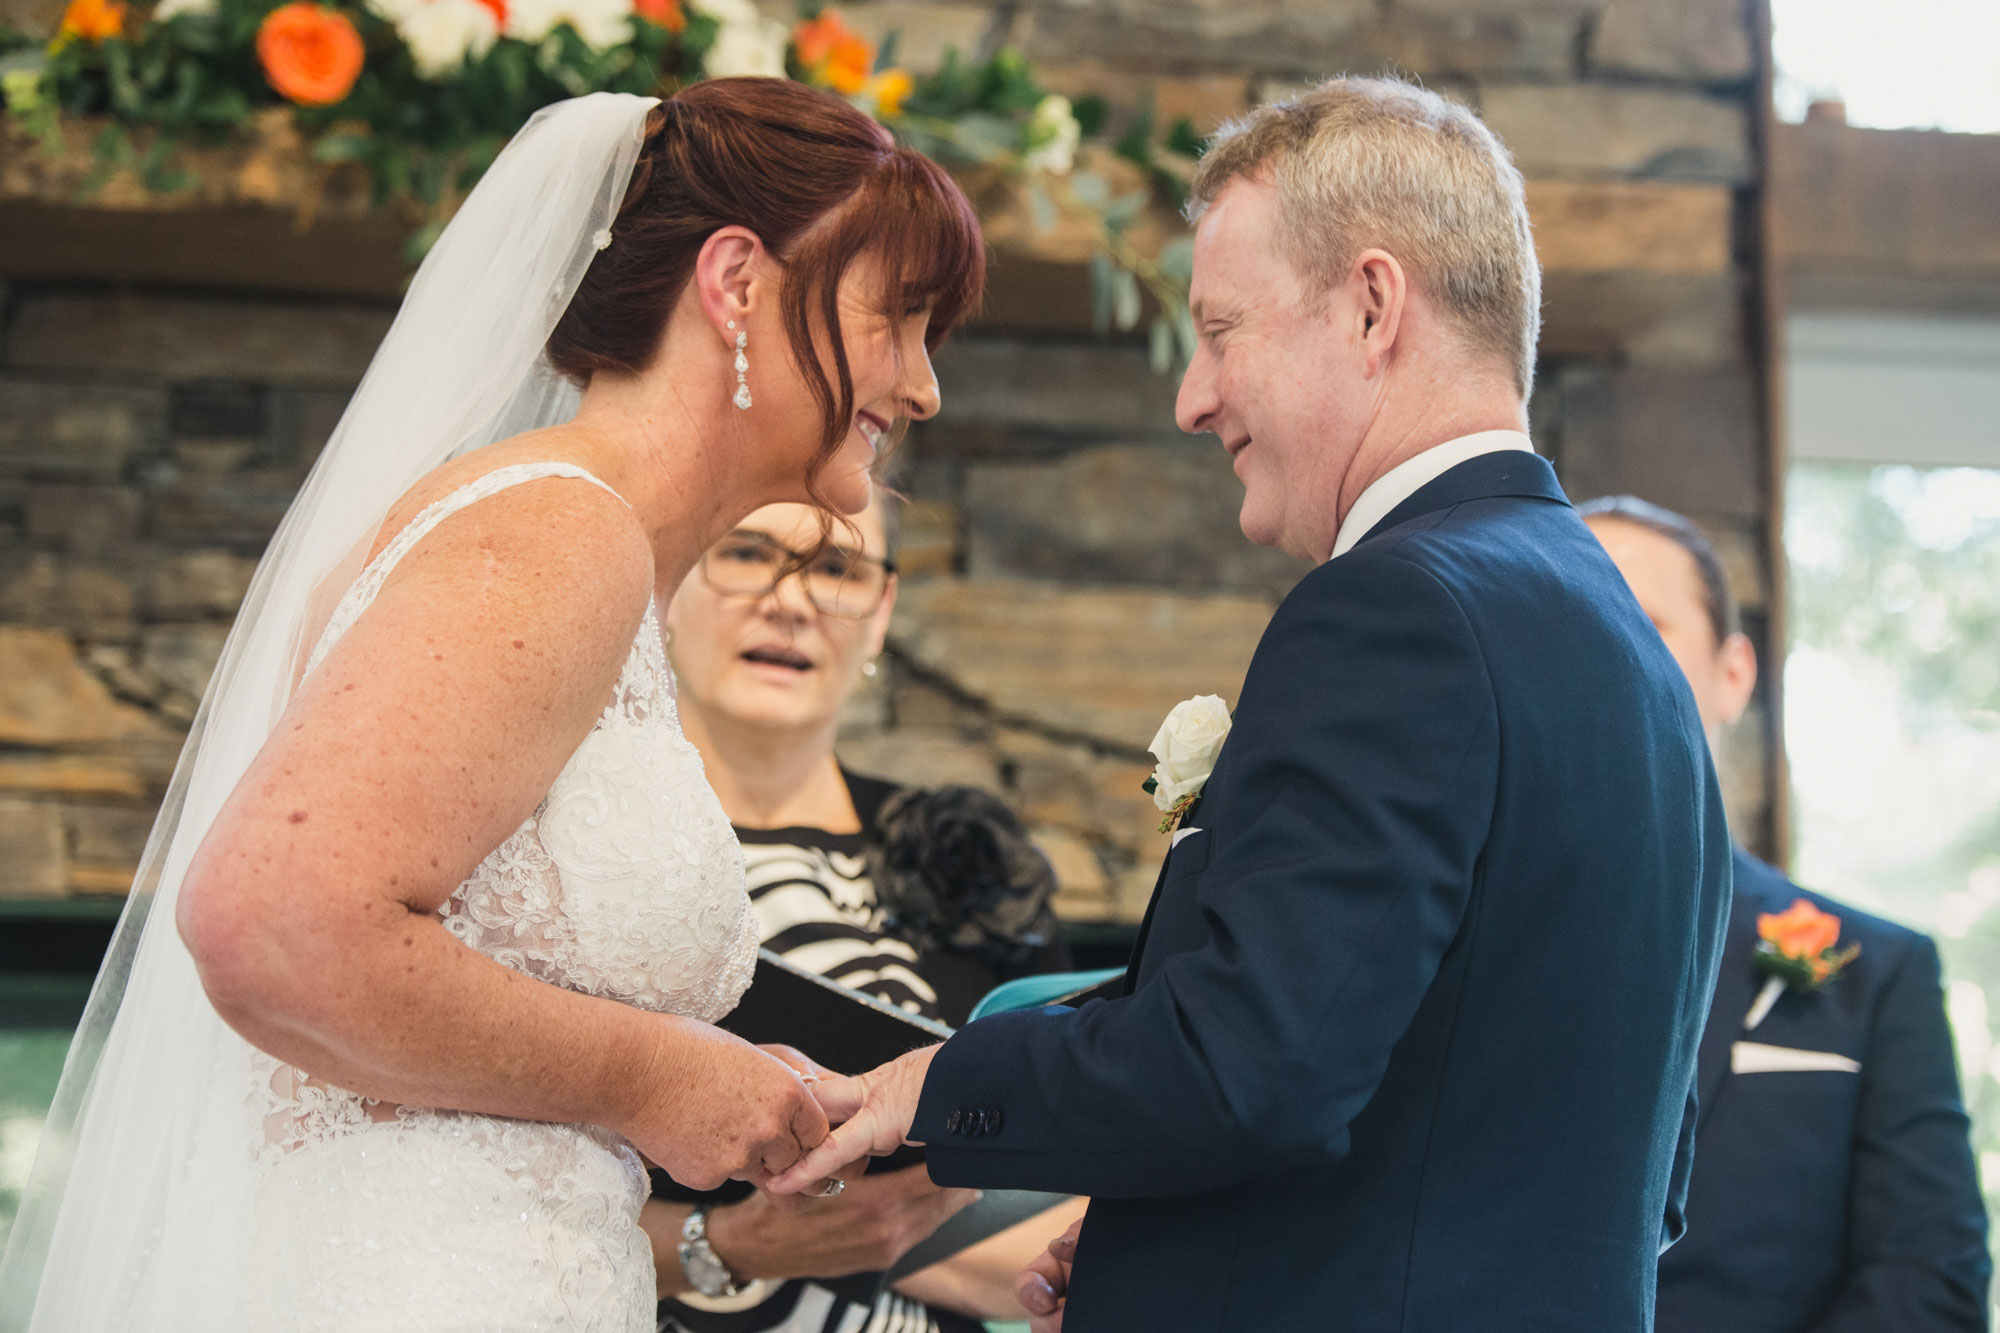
column 888, row 89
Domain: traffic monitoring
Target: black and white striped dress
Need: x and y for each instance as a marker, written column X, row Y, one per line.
column 816, row 905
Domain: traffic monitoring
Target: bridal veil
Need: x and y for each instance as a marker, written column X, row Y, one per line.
column 136, row 1213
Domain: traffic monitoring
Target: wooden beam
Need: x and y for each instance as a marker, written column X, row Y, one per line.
column 1905, row 219
column 1630, row 227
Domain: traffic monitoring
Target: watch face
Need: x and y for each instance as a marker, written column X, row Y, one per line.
column 708, row 1274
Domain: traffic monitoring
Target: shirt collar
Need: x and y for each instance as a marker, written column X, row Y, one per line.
column 1411, row 475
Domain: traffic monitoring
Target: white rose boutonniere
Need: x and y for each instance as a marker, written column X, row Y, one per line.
column 1186, row 746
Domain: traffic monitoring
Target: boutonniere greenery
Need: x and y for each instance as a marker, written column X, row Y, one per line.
column 1797, row 949
column 1186, row 746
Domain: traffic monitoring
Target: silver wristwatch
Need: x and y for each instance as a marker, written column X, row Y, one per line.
column 704, row 1268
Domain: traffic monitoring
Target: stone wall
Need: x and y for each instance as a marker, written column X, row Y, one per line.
column 1074, row 565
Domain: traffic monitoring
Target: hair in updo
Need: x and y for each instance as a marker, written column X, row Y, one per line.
column 822, row 184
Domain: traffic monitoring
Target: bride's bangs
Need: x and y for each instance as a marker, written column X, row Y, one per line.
column 932, row 252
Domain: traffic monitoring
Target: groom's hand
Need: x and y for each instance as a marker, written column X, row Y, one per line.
column 1044, row 1284
column 873, row 1112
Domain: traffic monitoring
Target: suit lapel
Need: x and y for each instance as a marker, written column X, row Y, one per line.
column 1146, row 923
column 1735, row 991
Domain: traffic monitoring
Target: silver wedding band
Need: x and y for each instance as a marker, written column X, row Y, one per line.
column 833, row 1187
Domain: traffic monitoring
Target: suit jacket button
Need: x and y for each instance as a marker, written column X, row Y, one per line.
column 975, row 1123
column 954, row 1122
column 993, row 1121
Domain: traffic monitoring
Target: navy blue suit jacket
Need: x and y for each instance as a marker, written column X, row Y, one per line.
column 1412, row 1027
column 1833, row 1201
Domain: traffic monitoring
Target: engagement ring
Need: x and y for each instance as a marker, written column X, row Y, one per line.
column 833, row 1187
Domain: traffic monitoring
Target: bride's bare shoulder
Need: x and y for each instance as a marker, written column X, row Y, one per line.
column 551, row 445
column 575, row 536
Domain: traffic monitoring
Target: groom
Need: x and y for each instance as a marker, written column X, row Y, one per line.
column 1409, row 1037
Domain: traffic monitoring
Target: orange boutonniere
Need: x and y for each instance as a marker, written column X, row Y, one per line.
column 1797, row 946
column 311, row 54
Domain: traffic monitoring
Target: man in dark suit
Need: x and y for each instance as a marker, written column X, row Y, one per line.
column 1833, row 1186
column 1411, row 1030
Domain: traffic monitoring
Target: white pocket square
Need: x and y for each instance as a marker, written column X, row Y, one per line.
column 1180, row 833
column 1752, row 1057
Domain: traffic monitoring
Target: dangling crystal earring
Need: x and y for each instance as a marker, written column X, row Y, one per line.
column 742, row 398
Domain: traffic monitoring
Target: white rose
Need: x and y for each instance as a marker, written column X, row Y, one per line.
column 600, row 23
column 167, row 9
column 756, row 48
column 1186, row 747
column 1053, row 136
column 392, row 11
column 728, row 13
column 442, row 33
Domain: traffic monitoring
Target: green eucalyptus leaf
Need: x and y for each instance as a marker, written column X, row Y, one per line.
column 1160, row 345
column 1041, row 207
column 1091, row 190
column 1121, row 212
column 1103, row 277
column 1176, row 261
column 1184, row 331
column 1126, row 300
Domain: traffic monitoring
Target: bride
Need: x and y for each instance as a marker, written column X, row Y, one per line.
column 428, row 939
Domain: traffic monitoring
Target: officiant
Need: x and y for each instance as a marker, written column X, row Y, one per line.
column 1833, row 1183
column 925, row 900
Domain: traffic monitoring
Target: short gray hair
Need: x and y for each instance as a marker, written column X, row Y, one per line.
column 1360, row 163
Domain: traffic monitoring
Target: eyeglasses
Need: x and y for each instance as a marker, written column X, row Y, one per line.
column 837, row 581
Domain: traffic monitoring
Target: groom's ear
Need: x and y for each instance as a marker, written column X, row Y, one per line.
column 729, row 275
column 1383, row 289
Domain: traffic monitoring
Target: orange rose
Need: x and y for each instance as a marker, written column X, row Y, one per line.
column 311, row 54
column 93, row 20
column 834, row 53
column 665, row 13
column 1800, row 932
column 499, row 8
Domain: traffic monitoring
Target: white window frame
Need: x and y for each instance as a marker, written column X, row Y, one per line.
column 1882, row 388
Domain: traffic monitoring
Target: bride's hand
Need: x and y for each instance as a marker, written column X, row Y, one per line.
column 715, row 1108
column 874, row 1112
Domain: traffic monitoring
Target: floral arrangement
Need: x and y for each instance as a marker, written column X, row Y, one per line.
column 1187, row 746
column 954, row 870
column 421, row 95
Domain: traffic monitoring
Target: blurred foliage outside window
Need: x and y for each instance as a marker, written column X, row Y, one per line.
column 1892, row 723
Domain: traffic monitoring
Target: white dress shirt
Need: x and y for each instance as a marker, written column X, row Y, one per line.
column 1411, row 475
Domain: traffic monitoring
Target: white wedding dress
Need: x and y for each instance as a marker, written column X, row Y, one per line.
column 626, row 883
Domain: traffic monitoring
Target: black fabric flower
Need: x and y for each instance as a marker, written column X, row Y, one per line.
column 955, row 871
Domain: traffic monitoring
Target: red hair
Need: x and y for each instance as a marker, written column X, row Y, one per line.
column 822, row 184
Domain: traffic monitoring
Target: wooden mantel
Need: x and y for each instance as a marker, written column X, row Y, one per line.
column 1628, row 265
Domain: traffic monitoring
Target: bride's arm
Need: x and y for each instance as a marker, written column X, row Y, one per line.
column 430, row 732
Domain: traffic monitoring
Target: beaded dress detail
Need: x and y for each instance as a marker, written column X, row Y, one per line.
column 625, row 883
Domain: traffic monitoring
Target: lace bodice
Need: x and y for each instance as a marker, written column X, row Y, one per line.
column 626, row 883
